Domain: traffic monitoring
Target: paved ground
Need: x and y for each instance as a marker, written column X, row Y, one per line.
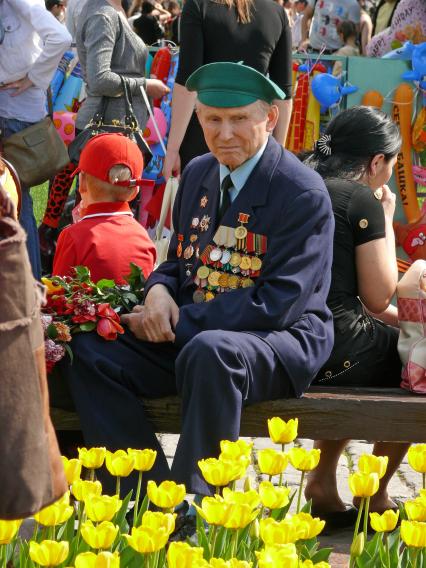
column 403, row 485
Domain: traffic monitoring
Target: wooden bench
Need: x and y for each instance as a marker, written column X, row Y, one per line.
column 324, row 413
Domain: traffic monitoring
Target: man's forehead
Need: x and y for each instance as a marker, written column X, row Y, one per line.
column 226, row 111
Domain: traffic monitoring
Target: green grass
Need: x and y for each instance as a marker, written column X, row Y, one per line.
column 39, row 195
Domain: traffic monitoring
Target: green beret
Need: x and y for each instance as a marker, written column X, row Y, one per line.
column 226, row 84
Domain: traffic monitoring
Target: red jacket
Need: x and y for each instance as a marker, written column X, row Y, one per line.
column 106, row 240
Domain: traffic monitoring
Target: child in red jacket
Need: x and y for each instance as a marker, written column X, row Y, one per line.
column 107, row 237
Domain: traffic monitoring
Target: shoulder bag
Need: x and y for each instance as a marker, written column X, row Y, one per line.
column 38, row 153
column 97, row 126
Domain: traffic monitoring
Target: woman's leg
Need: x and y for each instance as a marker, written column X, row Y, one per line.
column 322, row 483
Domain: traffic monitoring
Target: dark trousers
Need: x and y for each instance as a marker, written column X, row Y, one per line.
column 216, row 373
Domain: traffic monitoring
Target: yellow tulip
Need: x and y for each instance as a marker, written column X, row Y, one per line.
column 273, row 497
column 99, row 536
column 8, row 530
column 240, row 516
column 92, row 458
column 417, row 457
column 416, row 510
column 101, row 560
column 143, row 459
column 304, row 460
column 182, row 555
column 307, row 526
column 284, row 556
column 357, row 546
column 119, row 463
column 413, row 533
column 55, row 514
column 272, row 462
column 385, row 522
column 310, row 564
column 102, row 507
column 363, row 484
column 147, row 540
column 250, row 498
column 156, row 520
column 72, row 469
column 278, row 532
column 167, row 495
column 282, row 432
column 214, row 510
column 373, row 464
column 51, row 288
column 234, row 450
column 49, row 552
column 219, row 472
column 83, row 490
column 232, row 563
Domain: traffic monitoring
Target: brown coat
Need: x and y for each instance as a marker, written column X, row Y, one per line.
column 31, row 472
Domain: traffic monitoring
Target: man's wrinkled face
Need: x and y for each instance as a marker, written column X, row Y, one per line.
column 235, row 134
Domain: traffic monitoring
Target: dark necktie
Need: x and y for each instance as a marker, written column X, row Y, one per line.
column 226, row 198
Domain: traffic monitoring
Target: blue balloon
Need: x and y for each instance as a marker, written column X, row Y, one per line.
column 418, row 63
column 328, row 89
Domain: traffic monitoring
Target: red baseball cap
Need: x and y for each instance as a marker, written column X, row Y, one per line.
column 105, row 151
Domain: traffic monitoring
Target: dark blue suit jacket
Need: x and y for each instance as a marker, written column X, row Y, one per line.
column 289, row 203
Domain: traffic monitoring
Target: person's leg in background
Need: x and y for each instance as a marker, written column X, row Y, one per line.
column 9, row 126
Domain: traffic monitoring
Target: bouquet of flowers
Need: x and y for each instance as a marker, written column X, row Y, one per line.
column 76, row 304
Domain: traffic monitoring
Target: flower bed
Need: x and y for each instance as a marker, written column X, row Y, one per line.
column 235, row 529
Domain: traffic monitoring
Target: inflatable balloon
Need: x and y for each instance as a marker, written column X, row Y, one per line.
column 418, row 62
column 405, row 52
column 150, row 133
column 64, row 122
column 328, row 89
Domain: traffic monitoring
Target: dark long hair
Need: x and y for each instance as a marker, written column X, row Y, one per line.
column 356, row 136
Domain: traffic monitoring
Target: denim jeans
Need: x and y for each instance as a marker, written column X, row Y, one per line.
column 9, row 126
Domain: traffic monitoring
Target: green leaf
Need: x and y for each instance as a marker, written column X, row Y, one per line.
column 321, row 555
column 142, row 509
column 82, row 273
column 69, row 351
column 87, row 326
column 201, row 535
column 105, row 283
column 51, row 331
column 135, row 279
column 120, row 518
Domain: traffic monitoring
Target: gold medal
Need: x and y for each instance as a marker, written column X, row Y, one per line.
column 223, row 280
column 235, row 259
column 247, row 283
column 198, row 296
column 214, row 278
column 245, row 263
column 233, row 282
column 256, row 263
column 209, row 296
column 240, row 233
column 203, row 272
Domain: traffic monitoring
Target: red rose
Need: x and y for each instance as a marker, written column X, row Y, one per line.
column 105, row 311
column 82, row 318
column 108, row 329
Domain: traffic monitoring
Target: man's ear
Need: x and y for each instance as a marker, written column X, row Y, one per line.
column 272, row 118
column 82, row 182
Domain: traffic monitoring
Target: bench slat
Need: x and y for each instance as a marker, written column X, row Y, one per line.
column 332, row 413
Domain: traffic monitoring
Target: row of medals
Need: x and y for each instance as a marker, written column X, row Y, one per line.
column 236, row 271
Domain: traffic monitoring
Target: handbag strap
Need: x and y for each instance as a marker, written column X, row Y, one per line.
column 49, row 102
column 154, row 122
column 167, row 203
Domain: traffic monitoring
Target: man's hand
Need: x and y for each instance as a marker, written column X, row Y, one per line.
column 156, row 88
column 157, row 319
column 20, row 85
column 171, row 166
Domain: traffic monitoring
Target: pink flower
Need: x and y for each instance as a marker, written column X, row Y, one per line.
column 84, row 310
column 108, row 328
column 53, row 353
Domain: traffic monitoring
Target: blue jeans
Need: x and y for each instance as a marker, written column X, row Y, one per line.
column 9, row 126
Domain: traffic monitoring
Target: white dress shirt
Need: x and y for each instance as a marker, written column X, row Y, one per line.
column 33, row 45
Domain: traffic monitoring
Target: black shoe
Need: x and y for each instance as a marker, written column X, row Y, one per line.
column 337, row 520
column 185, row 528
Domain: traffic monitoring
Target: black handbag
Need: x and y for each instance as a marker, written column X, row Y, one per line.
column 97, row 125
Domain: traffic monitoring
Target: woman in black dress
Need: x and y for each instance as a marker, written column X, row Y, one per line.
column 356, row 156
column 255, row 32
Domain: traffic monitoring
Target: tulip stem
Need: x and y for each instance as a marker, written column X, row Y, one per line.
column 3, row 555
column 212, row 539
column 358, row 521
column 414, row 552
column 367, row 506
column 424, row 480
column 117, row 486
column 35, row 531
column 218, row 490
column 79, row 520
column 138, row 494
column 388, row 561
column 92, row 474
column 299, row 496
column 234, row 543
column 280, row 482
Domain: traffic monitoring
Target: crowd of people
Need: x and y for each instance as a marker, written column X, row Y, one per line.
column 281, row 268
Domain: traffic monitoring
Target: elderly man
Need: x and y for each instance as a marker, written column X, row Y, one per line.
column 237, row 314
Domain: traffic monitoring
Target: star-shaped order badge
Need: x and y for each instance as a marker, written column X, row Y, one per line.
column 203, row 201
column 204, row 223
